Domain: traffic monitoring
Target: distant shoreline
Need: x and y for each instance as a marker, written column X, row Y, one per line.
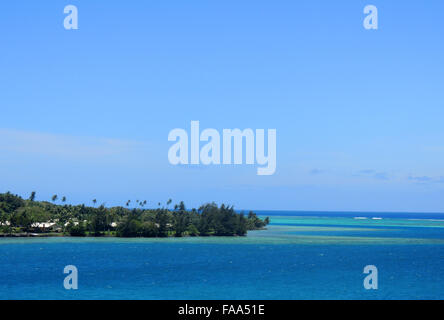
column 31, row 218
column 351, row 214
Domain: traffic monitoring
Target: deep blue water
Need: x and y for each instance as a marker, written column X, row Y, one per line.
column 284, row 262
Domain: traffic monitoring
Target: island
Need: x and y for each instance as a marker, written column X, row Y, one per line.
column 30, row 218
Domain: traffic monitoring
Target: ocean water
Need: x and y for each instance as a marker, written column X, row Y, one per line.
column 317, row 256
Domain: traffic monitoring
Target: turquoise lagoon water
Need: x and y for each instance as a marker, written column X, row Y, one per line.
column 297, row 257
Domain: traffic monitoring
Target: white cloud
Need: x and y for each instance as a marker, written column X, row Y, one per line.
column 46, row 144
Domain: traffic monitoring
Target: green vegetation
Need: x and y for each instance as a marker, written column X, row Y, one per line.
column 19, row 217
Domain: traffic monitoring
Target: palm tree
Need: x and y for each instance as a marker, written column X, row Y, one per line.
column 63, row 199
column 32, row 196
column 94, row 201
column 128, row 203
column 54, row 198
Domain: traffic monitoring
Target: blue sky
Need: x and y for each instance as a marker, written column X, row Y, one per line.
column 86, row 113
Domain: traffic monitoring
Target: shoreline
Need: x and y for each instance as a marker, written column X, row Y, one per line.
column 61, row 235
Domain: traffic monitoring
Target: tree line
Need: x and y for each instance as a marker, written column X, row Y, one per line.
column 18, row 215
